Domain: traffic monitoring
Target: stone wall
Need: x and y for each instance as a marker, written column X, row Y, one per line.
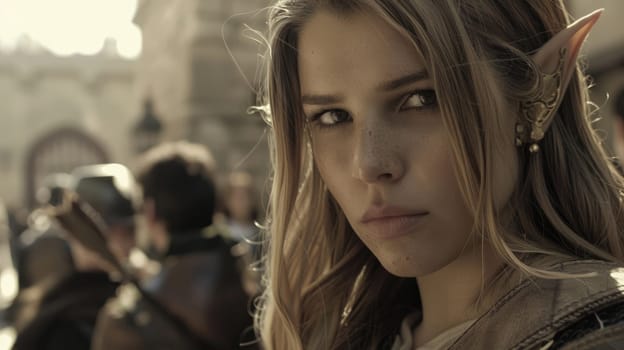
column 41, row 93
column 200, row 69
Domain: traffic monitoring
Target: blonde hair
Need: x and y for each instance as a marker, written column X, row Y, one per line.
column 324, row 288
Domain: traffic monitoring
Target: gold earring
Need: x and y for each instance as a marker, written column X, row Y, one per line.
column 540, row 107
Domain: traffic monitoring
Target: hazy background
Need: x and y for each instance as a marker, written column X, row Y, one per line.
column 78, row 78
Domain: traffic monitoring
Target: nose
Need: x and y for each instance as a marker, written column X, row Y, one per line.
column 376, row 156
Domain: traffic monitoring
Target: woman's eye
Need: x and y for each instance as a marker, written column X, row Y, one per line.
column 331, row 117
column 420, row 99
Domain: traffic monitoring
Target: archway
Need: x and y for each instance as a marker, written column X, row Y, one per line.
column 61, row 150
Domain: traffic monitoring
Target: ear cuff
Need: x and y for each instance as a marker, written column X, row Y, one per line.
column 537, row 111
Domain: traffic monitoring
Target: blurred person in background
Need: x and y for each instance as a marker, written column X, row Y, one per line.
column 111, row 190
column 240, row 212
column 199, row 284
column 61, row 314
column 42, row 253
column 8, row 288
column 18, row 223
column 177, row 183
column 18, row 219
column 240, row 207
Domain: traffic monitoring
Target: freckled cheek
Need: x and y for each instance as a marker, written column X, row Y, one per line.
column 332, row 161
column 331, row 157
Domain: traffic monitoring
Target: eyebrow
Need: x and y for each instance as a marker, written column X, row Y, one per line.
column 402, row 81
column 386, row 86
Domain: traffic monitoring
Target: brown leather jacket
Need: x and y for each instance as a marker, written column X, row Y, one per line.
column 583, row 313
column 61, row 314
column 201, row 289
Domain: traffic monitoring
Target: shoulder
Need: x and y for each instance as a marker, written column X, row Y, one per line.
column 540, row 313
column 206, row 241
column 602, row 285
column 593, row 307
column 598, row 329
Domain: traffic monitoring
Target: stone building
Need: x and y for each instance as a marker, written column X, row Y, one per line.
column 58, row 113
column 197, row 67
column 199, row 64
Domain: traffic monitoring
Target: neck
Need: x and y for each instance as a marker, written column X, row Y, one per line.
column 452, row 295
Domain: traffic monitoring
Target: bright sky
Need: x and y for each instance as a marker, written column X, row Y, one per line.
column 68, row 27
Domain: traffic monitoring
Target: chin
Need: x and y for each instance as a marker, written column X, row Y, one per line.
column 413, row 265
column 409, row 271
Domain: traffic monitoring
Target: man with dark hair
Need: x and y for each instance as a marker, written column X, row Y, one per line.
column 203, row 304
column 179, row 194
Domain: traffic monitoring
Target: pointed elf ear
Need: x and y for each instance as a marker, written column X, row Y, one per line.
column 556, row 62
column 571, row 40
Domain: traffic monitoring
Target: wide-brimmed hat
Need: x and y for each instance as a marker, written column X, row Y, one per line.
column 110, row 189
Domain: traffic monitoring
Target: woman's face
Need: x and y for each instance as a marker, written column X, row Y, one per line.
column 380, row 144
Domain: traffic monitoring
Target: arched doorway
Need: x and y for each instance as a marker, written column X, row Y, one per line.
column 59, row 151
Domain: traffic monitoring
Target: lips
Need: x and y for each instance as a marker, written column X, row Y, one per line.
column 389, row 222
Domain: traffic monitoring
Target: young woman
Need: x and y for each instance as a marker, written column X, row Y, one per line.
column 437, row 183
